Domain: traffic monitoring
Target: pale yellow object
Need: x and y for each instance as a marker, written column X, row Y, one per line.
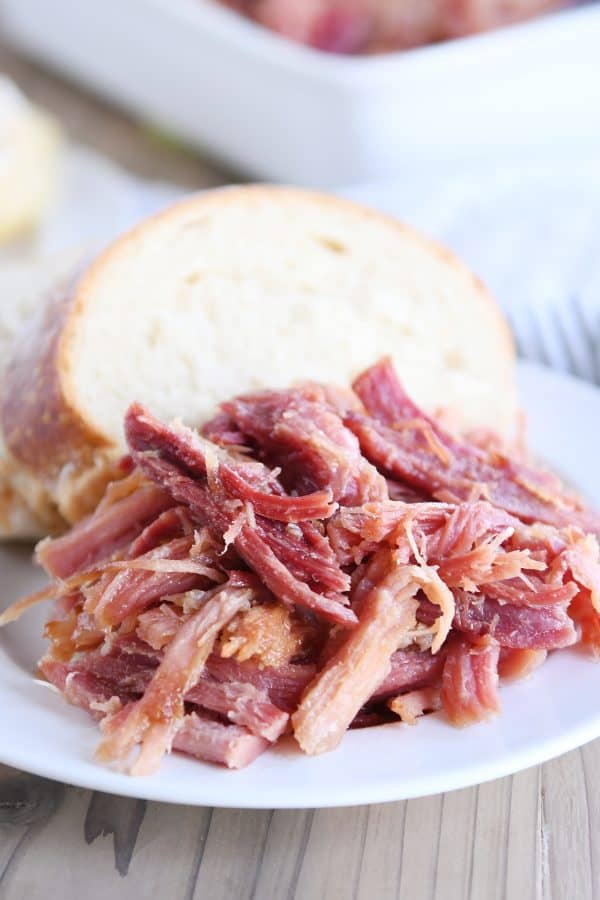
column 30, row 144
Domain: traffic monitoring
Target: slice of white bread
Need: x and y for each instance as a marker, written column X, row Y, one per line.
column 29, row 162
column 234, row 290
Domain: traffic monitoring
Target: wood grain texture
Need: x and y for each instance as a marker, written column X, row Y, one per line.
column 532, row 836
column 119, row 816
column 26, row 806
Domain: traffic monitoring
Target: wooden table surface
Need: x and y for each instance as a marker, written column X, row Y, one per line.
column 533, row 835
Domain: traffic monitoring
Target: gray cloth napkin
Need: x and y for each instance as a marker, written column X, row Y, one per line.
column 532, row 233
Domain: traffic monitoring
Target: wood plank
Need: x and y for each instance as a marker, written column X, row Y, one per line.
column 120, row 817
column 285, row 847
column 27, row 804
column 52, row 856
column 490, row 840
column 566, row 825
column 68, row 853
column 168, row 853
column 590, row 758
column 379, row 874
column 523, row 837
column 334, row 851
column 455, row 849
column 231, row 855
column 420, row 847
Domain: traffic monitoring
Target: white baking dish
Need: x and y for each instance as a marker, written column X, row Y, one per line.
column 280, row 111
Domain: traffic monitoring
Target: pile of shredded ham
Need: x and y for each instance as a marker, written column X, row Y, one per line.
column 316, row 560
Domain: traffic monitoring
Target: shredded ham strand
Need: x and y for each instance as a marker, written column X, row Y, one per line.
column 169, row 567
column 301, row 432
column 101, row 534
column 530, row 495
column 154, row 720
column 352, row 674
column 16, row 610
column 409, row 707
column 320, row 560
column 470, row 681
column 230, row 745
column 243, row 704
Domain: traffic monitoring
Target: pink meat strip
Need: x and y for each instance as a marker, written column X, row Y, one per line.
column 229, row 745
column 241, row 479
column 154, row 720
column 284, row 585
column 79, row 688
column 573, row 561
column 516, row 627
column 171, row 524
column 442, row 529
column 410, row 669
column 397, row 490
column 124, row 675
column 199, row 736
column 464, row 543
column 356, row 532
column 299, row 431
column 222, row 430
column 283, row 685
column 299, row 545
column 485, row 564
column 127, row 675
column 469, row 549
column 305, row 552
column 583, row 612
column 531, row 591
column 242, row 704
column 351, row 676
column 465, row 526
column 158, row 626
column 405, row 443
column 581, row 558
column 106, row 530
column 470, row 681
column 277, row 575
column 131, row 591
column 250, row 542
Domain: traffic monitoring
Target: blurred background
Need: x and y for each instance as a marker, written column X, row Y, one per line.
column 477, row 121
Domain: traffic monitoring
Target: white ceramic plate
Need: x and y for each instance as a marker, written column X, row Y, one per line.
column 555, row 710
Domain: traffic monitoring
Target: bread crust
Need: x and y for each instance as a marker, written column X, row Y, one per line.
column 41, row 429
column 56, row 464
